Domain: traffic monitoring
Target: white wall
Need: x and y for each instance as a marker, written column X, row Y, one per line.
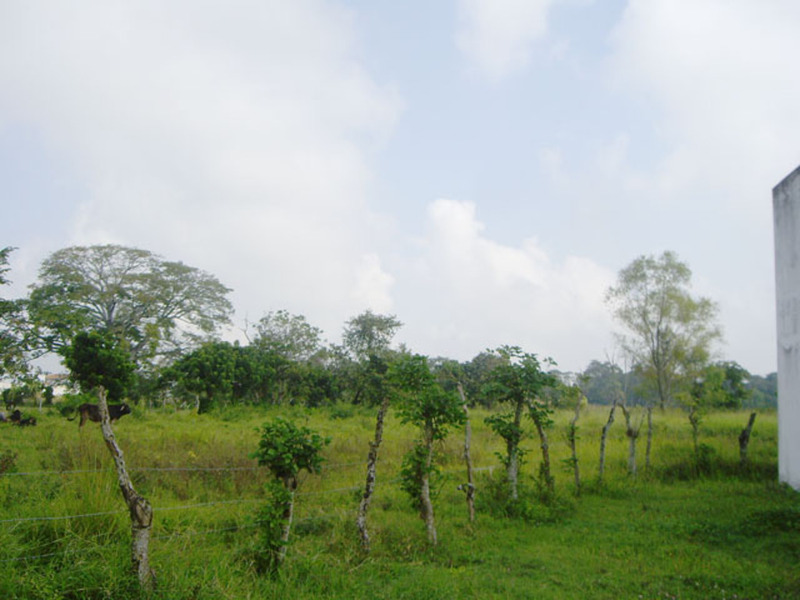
column 786, row 212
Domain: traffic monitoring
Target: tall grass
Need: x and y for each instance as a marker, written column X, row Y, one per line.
column 674, row 531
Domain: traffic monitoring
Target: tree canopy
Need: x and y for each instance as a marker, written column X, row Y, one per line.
column 151, row 305
column 12, row 338
column 369, row 334
column 670, row 332
column 289, row 335
column 96, row 361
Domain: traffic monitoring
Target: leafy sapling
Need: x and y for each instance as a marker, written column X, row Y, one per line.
column 518, row 380
column 285, row 449
column 98, row 363
column 424, row 403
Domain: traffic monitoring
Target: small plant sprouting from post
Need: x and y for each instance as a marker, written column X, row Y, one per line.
column 413, row 471
column 574, row 395
column 518, row 380
column 424, row 403
column 98, row 363
column 469, row 486
column 285, row 449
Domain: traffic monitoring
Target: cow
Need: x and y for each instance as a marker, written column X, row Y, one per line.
column 91, row 412
column 16, row 419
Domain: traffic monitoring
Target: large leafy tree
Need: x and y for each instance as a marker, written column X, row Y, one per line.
column 291, row 336
column 369, row 334
column 208, row 373
column 669, row 332
column 150, row 305
column 363, row 360
column 12, row 338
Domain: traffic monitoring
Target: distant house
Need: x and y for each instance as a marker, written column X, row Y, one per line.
column 59, row 382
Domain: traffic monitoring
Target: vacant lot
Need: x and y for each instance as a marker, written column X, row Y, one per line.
column 681, row 529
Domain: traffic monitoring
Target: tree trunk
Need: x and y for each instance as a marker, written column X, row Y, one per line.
column 141, row 512
column 470, row 486
column 603, row 438
column 744, row 439
column 372, row 460
column 425, row 493
column 572, row 436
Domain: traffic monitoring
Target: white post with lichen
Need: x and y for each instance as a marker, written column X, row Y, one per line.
column 141, row 512
column 786, row 213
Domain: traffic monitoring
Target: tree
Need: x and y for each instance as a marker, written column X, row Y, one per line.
column 714, row 386
column 424, row 403
column 12, row 339
column 518, row 381
column 369, row 334
column 763, row 390
column 285, row 449
column 668, row 328
column 208, row 373
column 362, row 363
column 475, row 375
column 289, row 335
column 735, row 385
column 98, row 364
column 152, row 306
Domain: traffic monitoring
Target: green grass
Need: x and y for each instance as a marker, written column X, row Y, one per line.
column 672, row 532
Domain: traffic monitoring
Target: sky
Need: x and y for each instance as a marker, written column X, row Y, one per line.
column 482, row 169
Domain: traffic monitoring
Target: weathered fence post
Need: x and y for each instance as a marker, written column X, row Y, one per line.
column 469, row 487
column 572, row 438
column 744, row 439
column 369, row 487
column 141, row 512
column 603, row 438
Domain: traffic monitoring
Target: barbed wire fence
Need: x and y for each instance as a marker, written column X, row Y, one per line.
column 173, row 535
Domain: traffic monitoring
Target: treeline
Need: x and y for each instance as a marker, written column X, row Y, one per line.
column 169, row 319
column 603, row 382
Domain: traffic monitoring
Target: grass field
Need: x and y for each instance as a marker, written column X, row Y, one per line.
column 671, row 532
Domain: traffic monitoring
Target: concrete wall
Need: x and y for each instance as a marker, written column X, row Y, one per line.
column 786, row 212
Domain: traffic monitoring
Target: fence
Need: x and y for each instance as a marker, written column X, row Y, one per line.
column 159, row 509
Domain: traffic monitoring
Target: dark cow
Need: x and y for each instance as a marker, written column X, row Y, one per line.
column 91, row 412
column 16, row 419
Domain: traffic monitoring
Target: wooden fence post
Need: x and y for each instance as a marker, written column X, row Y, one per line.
column 141, row 512
column 369, row 487
column 468, row 487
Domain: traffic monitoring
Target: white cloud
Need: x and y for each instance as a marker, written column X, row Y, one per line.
column 722, row 72
column 482, row 293
column 233, row 136
column 497, row 35
column 719, row 76
column 373, row 284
